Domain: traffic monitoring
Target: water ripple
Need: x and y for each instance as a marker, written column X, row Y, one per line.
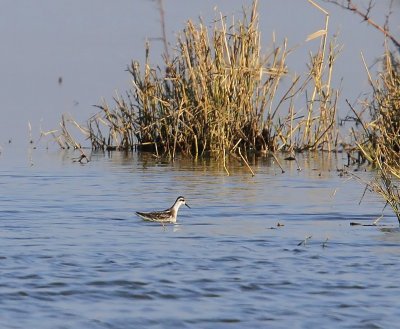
column 74, row 255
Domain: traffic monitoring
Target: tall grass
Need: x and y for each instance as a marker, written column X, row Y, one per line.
column 380, row 139
column 219, row 94
column 319, row 127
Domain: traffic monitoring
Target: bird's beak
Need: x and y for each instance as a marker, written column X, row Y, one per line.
column 187, row 205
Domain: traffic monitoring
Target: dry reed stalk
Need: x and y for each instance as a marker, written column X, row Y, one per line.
column 63, row 137
column 319, row 130
column 246, row 162
column 66, row 136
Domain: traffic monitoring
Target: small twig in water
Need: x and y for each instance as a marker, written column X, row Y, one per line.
column 247, row 164
column 278, row 225
column 297, row 163
column 293, row 158
column 362, row 197
column 30, row 132
column 82, row 158
column 277, row 161
column 377, row 220
column 355, row 224
column 224, row 160
column 304, row 242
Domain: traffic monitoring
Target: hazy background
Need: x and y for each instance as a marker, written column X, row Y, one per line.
column 90, row 43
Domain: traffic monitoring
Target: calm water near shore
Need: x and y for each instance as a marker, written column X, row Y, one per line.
column 74, row 255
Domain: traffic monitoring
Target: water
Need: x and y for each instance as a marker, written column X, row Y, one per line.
column 74, row 255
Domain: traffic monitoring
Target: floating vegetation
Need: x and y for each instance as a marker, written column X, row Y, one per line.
column 218, row 95
column 304, row 242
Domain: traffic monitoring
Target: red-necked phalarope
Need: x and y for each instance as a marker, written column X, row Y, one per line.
column 164, row 216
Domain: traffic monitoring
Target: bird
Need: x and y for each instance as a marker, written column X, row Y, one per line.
column 164, row 216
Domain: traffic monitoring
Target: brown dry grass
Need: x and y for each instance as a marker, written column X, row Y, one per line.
column 379, row 141
column 218, row 95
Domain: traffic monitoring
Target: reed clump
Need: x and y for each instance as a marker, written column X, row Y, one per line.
column 218, row 95
column 210, row 98
column 380, row 139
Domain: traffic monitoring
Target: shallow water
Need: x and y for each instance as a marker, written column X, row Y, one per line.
column 74, row 255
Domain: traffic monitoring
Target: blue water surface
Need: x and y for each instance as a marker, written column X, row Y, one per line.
column 74, row 255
